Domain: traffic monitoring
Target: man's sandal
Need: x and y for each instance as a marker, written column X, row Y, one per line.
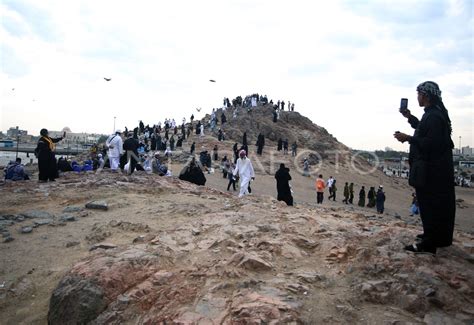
column 419, row 249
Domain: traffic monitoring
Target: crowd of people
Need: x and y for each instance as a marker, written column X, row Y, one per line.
column 140, row 149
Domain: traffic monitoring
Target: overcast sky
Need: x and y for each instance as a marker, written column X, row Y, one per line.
column 345, row 64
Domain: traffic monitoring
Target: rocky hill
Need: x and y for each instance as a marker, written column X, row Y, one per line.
column 291, row 125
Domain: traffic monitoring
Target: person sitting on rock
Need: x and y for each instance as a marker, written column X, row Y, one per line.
column 64, row 165
column 157, row 167
column 192, row 173
column 15, row 171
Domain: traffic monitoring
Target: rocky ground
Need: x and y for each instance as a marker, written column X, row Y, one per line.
column 156, row 250
column 105, row 248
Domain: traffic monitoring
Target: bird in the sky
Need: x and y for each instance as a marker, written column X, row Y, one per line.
column 107, row 79
column 198, row 109
column 212, row 80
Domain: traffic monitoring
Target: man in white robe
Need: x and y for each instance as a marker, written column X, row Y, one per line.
column 115, row 145
column 245, row 171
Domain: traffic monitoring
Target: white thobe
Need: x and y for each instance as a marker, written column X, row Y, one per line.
column 245, row 171
column 115, row 145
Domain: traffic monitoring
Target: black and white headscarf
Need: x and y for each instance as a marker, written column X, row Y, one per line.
column 429, row 88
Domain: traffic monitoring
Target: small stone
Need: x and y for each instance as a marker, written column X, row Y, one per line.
column 67, row 218
column 70, row 209
column 5, row 223
column 98, row 205
column 19, row 218
column 122, row 299
column 26, row 229
column 310, row 277
column 139, row 239
column 42, row 222
column 304, row 242
column 195, row 232
column 102, row 246
column 8, row 239
column 430, row 292
column 36, row 214
column 469, row 247
column 83, row 214
column 72, row 243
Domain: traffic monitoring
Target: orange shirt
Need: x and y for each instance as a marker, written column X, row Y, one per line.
column 320, row 185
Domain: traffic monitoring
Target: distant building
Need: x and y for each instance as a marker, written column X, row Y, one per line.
column 14, row 132
column 76, row 138
column 395, row 167
column 467, row 151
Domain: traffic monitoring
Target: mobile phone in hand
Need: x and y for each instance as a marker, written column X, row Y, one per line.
column 403, row 105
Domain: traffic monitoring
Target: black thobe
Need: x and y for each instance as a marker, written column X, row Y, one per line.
column 432, row 143
column 130, row 146
column 283, row 177
column 47, row 164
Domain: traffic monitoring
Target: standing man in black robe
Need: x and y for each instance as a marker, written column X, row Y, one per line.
column 235, row 149
column 47, row 164
column 130, row 146
column 283, row 177
column 431, row 169
column 198, row 127
column 280, row 144
column 245, row 145
column 260, row 143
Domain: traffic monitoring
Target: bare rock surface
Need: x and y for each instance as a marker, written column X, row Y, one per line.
column 167, row 251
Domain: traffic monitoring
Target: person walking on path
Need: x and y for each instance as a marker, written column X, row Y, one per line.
column 380, row 200
column 333, row 191
column 351, row 193
column 230, row 176
column 371, row 197
column 346, row 193
column 283, row 178
column 361, row 202
column 320, row 186
column 306, row 167
column 245, row 171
